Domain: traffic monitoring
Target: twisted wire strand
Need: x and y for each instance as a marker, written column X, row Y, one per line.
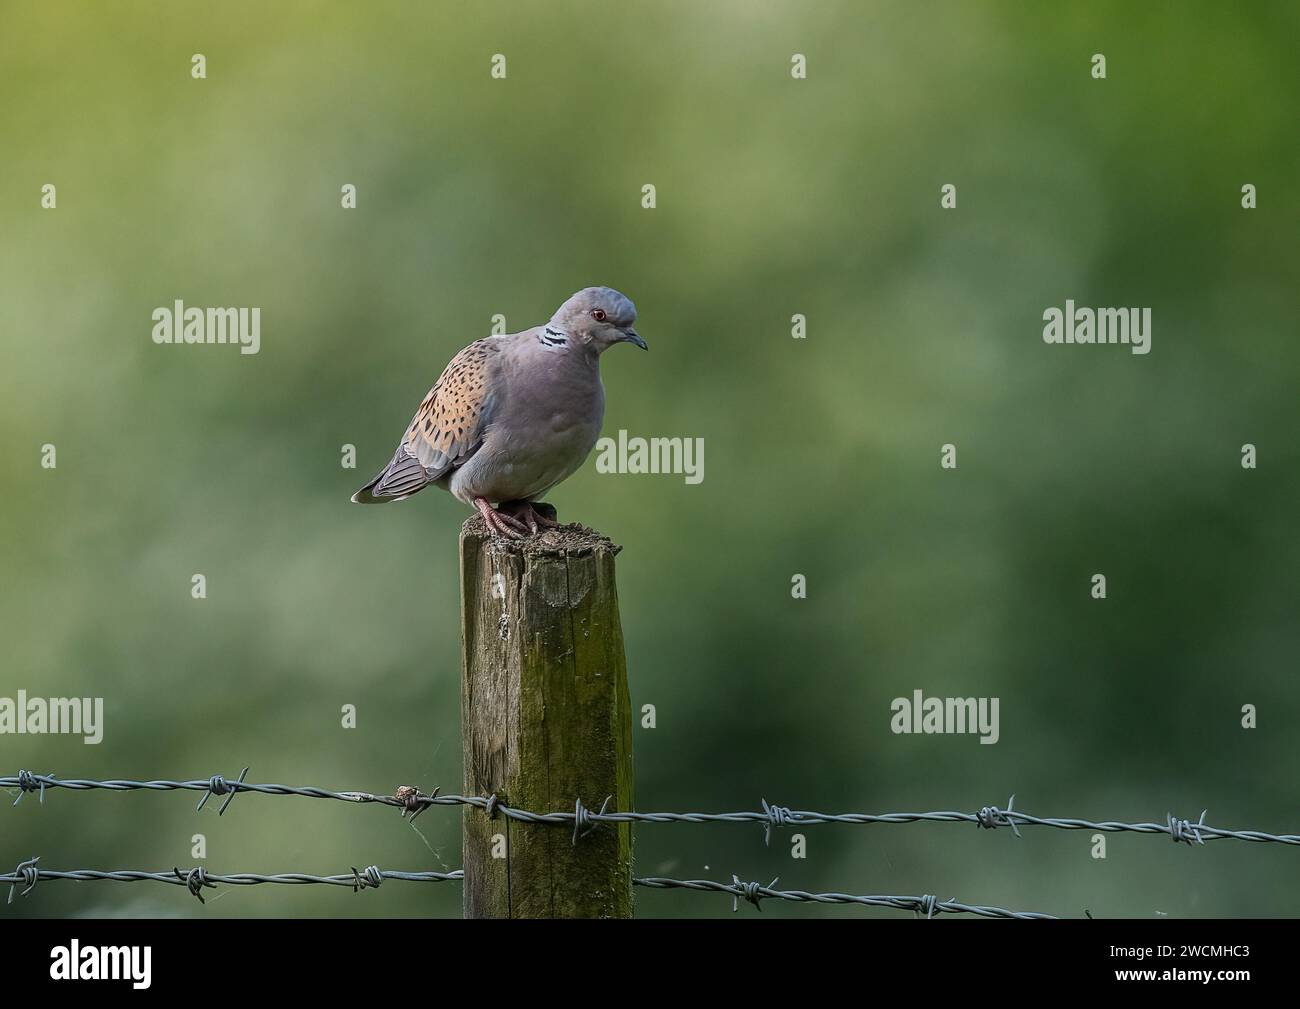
column 196, row 880
column 926, row 906
column 582, row 819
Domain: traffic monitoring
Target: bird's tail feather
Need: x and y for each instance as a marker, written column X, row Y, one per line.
column 366, row 494
column 400, row 479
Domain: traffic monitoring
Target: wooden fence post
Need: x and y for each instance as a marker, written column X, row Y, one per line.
column 545, row 720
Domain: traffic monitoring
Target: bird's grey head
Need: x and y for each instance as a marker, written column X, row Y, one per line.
column 598, row 317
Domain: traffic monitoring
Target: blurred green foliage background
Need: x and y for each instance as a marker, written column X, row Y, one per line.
column 775, row 197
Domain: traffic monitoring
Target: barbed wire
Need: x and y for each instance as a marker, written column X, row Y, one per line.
column 925, row 906
column 27, row 874
column 196, row 879
column 583, row 820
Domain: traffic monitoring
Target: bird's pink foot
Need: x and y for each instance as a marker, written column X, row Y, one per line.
column 500, row 523
column 535, row 517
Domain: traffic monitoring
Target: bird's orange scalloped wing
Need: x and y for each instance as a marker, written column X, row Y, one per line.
column 449, row 425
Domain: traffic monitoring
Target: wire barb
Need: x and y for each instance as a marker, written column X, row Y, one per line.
column 28, row 782
column 195, row 880
column 990, row 817
column 413, row 801
column 1185, row 830
column 926, row 904
column 217, row 785
column 752, row 892
column 583, row 824
column 777, row 816
column 27, row 874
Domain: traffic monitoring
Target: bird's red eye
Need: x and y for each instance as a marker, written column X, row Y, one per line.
column 598, row 314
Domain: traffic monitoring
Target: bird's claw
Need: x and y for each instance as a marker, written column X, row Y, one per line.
column 509, row 527
column 534, row 517
column 501, row 523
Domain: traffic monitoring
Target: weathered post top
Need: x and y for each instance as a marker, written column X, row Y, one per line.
column 545, row 721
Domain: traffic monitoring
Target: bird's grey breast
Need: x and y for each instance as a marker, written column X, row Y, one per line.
column 547, row 420
column 558, row 396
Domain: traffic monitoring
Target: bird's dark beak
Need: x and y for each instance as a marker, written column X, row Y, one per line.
column 630, row 335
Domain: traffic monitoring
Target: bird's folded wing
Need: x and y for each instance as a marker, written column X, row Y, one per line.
column 450, row 424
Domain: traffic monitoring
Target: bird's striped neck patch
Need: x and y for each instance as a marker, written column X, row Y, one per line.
column 549, row 337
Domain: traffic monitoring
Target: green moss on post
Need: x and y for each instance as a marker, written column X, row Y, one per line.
column 545, row 720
